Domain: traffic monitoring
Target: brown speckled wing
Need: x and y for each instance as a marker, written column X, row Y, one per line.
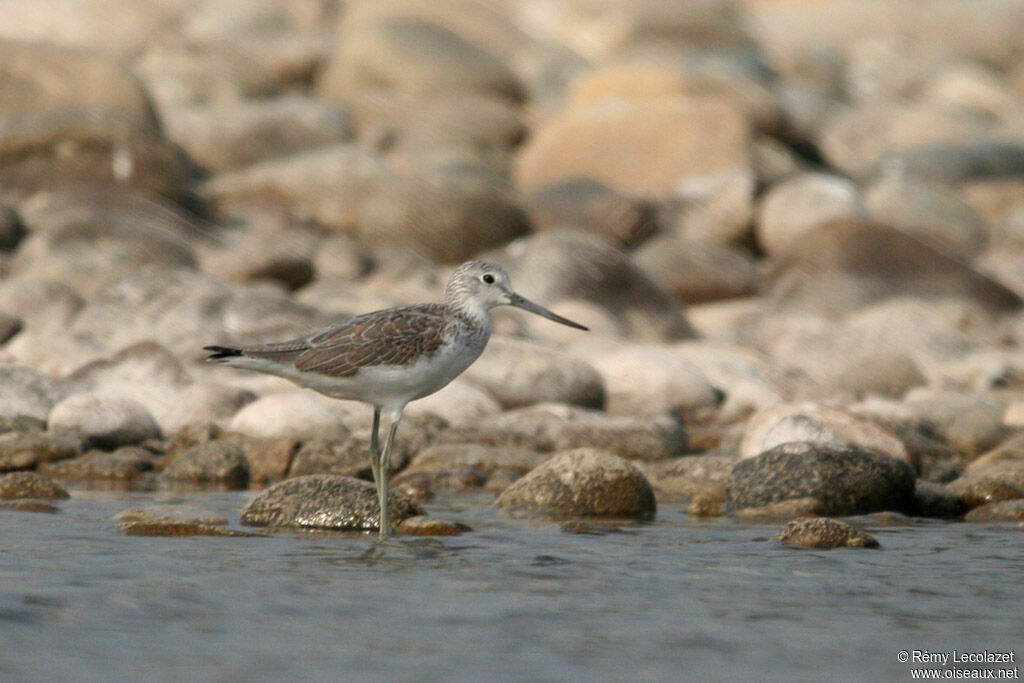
column 396, row 336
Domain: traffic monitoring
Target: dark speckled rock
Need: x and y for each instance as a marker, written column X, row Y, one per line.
column 585, row 482
column 29, row 485
column 846, row 480
column 824, row 534
column 219, row 463
column 324, row 501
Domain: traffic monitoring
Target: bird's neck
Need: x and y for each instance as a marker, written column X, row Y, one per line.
column 472, row 312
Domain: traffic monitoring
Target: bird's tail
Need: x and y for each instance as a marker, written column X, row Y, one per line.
column 219, row 354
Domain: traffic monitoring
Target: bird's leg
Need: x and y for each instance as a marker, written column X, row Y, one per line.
column 375, row 448
column 385, row 470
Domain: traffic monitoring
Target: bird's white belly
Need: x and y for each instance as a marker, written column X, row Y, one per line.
column 386, row 385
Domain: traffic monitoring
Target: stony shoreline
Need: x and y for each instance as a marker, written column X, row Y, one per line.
column 796, row 233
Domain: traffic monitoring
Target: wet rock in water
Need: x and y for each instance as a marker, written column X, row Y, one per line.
column 842, row 266
column 708, row 504
column 291, row 414
column 1004, row 511
column 125, row 466
column 791, row 208
column 552, row 427
column 105, row 421
column 170, row 526
column 590, row 205
column 571, row 264
column 585, row 482
column 30, row 485
column 29, row 505
column 846, row 480
column 521, row 373
column 23, row 451
column 822, row 533
column 1000, row 481
column 936, row 500
column 651, row 380
column 425, row 526
column 235, row 134
column 325, row 501
column 217, row 463
column 25, row 391
column 591, row 527
column 165, row 513
column 639, row 147
column 784, row 509
column 349, row 457
column 821, row 425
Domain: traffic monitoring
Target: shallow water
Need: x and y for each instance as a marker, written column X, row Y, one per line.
column 673, row 600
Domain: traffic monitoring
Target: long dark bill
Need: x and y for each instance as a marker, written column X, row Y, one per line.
column 527, row 305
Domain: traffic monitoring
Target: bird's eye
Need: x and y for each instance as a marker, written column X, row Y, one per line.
column 488, row 278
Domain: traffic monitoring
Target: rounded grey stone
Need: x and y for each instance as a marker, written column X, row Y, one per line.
column 585, row 482
column 845, row 480
column 325, row 501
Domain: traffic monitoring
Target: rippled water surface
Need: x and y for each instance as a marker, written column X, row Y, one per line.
column 673, row 600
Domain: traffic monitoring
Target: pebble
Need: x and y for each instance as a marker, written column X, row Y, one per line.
column 796, row 205
column 585, row 482
column 124, row 467
column 324, row 501
column 291, row 414
column 643, row 147
column 1003, row 511
column 845, row 480
column 216, row 463
column 26, row 392
column 822, row 533
column 821, row 425
column 651, row 380
column 105, row 421
column 427, row 526
column 552, row 427
column 520, row 373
